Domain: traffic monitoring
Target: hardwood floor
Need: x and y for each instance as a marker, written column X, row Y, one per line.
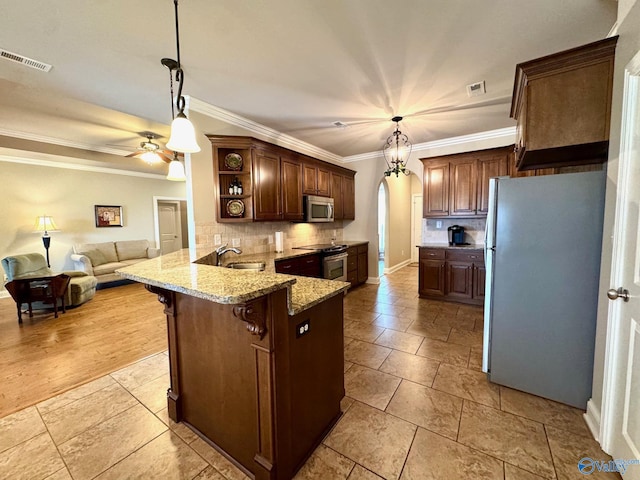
column 46, row 356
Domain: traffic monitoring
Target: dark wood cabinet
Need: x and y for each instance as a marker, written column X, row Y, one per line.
column 490, row 167
column 436, row 188
column 363, row 263
column 479, row 277
column 348, row 197
column 316, row 179
column 358, row 264
column 431, row 275
column 452, row 274
column 343, row 194
column 225, row 176
column 267, row 187
column 291, row 189
column 462, row 187
column 306, row 265
column 274, row 180
column 337, row 194
column 457, row 185
column 562, row 105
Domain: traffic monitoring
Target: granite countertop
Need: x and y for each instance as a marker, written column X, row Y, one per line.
column 473, row 246
column 229, row 286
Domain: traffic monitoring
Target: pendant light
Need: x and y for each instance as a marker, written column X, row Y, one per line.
column 396, row 151
column 183, row 135
column 176, row 170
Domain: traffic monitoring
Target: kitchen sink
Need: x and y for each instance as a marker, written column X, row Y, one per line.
column 258, row 266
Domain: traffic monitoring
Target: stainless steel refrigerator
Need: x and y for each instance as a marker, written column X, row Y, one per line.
column 542, row 255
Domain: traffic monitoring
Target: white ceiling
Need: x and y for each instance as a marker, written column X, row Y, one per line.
column 295, row 66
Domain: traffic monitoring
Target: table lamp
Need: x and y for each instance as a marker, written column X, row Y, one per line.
column 46, row 224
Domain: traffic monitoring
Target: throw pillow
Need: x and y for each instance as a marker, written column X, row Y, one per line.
column 96, row 257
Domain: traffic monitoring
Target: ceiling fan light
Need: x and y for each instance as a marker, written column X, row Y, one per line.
column 176, row 172
column 183, row 135
column 151, row 158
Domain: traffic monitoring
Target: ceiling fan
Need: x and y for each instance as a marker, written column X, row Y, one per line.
column 151, row 152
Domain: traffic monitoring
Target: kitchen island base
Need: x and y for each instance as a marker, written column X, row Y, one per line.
column 259, row 385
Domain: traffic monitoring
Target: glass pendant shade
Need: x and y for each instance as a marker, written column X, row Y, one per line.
column 183, row 136
column 176, row 171
column 151, row 157
column 396, row 151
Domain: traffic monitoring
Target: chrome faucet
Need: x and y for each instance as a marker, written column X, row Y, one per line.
column 222, row 249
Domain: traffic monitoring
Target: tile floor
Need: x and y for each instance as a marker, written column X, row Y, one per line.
column 417, row 407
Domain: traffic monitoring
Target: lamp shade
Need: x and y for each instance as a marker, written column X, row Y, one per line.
column 176, row 172
column 45, row 223
column 183, row 135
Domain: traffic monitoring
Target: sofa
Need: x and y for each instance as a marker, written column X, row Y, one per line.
column 102, row 259
column 82, row 287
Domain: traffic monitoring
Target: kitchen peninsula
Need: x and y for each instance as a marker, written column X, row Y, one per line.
column 256, row 358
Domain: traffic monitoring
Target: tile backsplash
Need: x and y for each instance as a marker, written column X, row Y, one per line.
column 254, row 237
column 473, row 229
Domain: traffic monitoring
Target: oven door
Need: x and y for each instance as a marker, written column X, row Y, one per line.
column 334, row 267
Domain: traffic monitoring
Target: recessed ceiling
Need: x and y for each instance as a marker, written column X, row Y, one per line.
column 296, row 66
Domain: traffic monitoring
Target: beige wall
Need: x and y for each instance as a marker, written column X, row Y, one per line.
column 398, row 248
column 69, row 197
column 628, row 45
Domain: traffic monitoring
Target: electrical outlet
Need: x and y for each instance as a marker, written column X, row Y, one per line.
column 438, row 224
column 217, row 239
column 235, row 242
column 270, row 239
column 302, row 328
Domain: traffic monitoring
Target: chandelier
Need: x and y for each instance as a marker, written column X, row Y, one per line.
column 396, row 151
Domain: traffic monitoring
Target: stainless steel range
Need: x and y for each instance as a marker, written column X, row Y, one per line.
column 334, row 259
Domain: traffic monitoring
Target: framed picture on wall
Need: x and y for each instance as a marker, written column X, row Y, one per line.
column 108, row 215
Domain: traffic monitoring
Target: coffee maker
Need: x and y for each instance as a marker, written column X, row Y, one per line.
column 456, row 235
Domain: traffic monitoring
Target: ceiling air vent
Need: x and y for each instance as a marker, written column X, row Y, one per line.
column 29, row 62
column 476, row 89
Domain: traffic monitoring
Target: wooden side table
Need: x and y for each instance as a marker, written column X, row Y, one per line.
column 38, row 289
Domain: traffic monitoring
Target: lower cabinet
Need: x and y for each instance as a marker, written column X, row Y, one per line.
column 358, row 264
column 306, row 266
column 452, row 274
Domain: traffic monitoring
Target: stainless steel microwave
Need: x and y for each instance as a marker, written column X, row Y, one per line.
column 318, row 209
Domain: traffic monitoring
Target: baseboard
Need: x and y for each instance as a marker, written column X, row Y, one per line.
column 397, row 267
column 373, row 280
column 4, row 294
column 592, row 418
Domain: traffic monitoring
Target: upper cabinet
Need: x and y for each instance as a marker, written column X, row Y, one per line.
column 316, row 178
column 272, row 180
column 562, row 105
column 458, row 185
column 342, row 191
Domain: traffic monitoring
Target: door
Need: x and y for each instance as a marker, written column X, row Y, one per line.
column 416, row 227
column 169, row 225
column 621, row 396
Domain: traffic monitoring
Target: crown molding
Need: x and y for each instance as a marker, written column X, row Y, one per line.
column 59, row 141
column 42, row 161
column 256, row 128
column 507, row 134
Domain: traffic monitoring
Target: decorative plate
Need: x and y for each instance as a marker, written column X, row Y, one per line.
column 235, row 208
column 233, row 161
